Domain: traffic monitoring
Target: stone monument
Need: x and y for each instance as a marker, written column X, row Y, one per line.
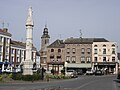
column 28, row 63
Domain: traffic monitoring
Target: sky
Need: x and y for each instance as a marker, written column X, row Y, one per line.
column 64, row 19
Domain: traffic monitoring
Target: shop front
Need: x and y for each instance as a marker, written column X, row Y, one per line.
column 106, row 67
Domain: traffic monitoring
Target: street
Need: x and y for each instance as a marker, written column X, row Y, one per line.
column 80, row 83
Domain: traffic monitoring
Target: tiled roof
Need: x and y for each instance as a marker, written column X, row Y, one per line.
column 84, row 40
column 57, row 44
column 100, row 40
column 5, row 32
column 78, row 41
column 19, row 44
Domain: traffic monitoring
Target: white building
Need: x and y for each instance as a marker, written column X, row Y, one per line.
column 104, row 56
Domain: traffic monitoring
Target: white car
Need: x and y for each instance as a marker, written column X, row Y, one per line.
column 71, row 73
column 89, row 72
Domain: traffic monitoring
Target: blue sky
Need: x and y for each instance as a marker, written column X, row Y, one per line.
column 64, row 18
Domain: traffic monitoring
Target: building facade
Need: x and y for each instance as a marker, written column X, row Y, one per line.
column 12, row 53
column 83, row 54
column 78, row 53
column 104, row 56
column 56, row 56
column 5, row 38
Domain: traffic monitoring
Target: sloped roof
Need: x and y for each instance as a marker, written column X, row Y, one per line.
column 5, row 32
column 20, row 44
column 84, row 40
column 100, row 40
column 57, row 44
column 78, row 41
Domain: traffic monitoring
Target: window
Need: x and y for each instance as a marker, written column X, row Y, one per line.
column 113, row 45
column 68, row 59
column 82, row 59
column 95, row 51
column 104, row 51
column 104, row 59
column 12, row 51
column 12, row 59
column 113, row 59
column 59, row 50
column 68, row 50
column 104, row 45
column 22, row 52
column 7, row 49
column 7, row 40
column 82, row 51
column 88, row 50
column 95, row 45
column 73, row 50
column 88, row 60
column 113, row 50
column 52, row 50
column 51, row 56
column 0, row 58
column 18, row 59
column 7, row 58
column 95, row 59
column 73, row 59
column 17, row 51
column 0, row 48
column 22, row 59
column 1, row 39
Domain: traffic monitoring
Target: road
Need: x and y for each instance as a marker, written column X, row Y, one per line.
column 80, row 83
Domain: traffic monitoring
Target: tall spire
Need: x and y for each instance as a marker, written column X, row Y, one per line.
column 29, row 21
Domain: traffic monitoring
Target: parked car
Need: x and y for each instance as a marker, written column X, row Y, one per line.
column 89, row 72
column 98, row 72
column 71, row 73
column 79, row 72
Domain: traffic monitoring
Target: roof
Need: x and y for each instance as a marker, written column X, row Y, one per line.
column 78, row 41
column 100, row 40
column 5, row 32
column 20, row 44
column 84, row 40
column 57, row 44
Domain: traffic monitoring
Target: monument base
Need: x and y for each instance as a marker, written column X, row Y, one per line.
column 27, row 68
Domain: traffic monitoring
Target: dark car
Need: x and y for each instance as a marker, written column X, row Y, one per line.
column 98, row 72
column 79, row 72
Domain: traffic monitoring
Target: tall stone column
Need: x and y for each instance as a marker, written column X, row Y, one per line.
column 28, row 63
